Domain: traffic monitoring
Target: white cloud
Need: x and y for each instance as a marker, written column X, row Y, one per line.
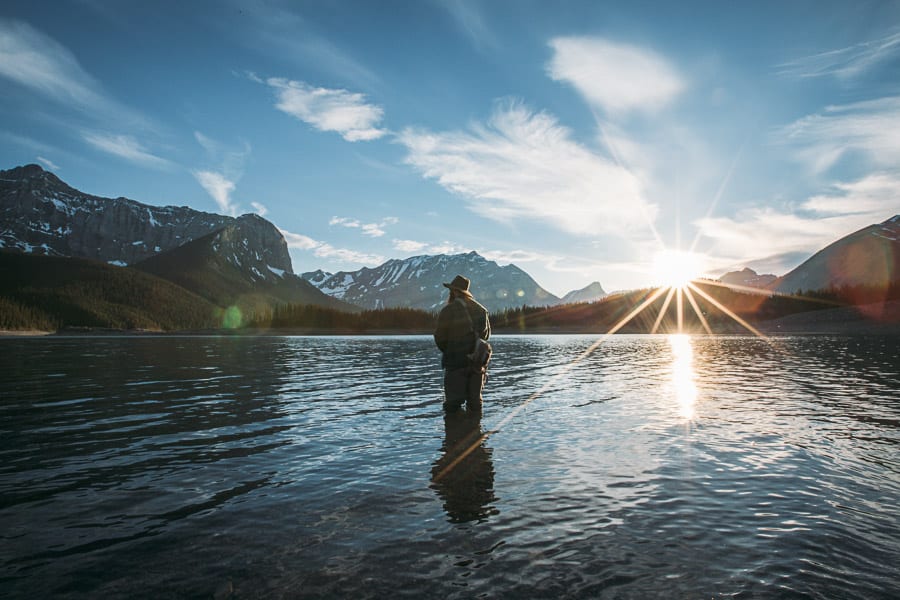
column 524, row 165
column 869, row 199
column 125, row 146
column 346, row 113
column 515, row 256
column 299, row 241
column 409, row 245
column 843, row 62
column 369, row 229
column 819, row 221
column 615, row 77
column 415, row 247
column 344, row 222
column 325, row 250
column 220, row 188
column 351, row 256
column 446, row 248
column 373, row 229
column 48, row 163
column 221, row 180
column 871, row 127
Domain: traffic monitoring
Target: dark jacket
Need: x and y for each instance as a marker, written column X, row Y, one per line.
column 454, row 335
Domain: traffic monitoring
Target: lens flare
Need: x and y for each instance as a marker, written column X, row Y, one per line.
column 232, row 318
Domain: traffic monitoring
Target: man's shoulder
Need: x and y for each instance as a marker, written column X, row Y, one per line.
column 474, row 303
column 447, row 309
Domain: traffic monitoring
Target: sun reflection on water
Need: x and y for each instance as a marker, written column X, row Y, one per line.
column 683, row 374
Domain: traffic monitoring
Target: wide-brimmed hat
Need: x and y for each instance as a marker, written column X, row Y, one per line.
column 459, row 283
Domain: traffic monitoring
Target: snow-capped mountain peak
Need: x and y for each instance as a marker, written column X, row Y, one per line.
column 417, row 282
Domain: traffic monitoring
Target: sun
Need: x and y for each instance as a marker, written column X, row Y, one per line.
column 676, row 268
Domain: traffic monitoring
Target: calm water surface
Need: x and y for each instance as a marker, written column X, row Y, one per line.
column 323, row 467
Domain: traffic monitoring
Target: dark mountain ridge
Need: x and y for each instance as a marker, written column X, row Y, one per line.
column 747, row 277
column 869, row 257
column 226, row 268
column 41, row 214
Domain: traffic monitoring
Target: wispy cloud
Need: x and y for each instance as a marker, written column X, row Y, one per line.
column 369, row 229
column 614, row 77
column 273, row 27
column 230, row 158
column 871, row 127
column 347, row 113
column 525, row 165
column 221, row 181
column 818, row 221
column 471, row 20
column 38, row 62
column 220, row 188
column 325, row 250
column 844, row 63
column 127, row 147
column 48, row 163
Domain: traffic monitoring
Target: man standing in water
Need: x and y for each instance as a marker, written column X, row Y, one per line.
column 458, row 323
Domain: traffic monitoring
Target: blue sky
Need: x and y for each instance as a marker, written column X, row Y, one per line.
column 574, row 139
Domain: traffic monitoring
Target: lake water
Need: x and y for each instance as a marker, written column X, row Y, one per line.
column 654, row 466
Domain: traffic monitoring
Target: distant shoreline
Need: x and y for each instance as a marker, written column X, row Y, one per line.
column 872, row 319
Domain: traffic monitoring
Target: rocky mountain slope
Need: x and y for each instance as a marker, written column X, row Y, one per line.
column 590, row 293
column 417, row 282
column 868, row 257
column 41, row 214
column 748, row 278
column 232, row 266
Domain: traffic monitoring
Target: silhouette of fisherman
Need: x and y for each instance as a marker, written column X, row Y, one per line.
column 458, row 324
column 463, row 476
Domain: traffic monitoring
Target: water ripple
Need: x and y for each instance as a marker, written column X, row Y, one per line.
column 317, row 467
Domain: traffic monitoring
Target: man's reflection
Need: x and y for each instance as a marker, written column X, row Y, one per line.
column 464, row 475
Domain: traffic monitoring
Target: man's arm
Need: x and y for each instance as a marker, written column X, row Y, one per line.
column 441, row 333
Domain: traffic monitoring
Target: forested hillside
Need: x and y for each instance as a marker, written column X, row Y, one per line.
column 48, row 293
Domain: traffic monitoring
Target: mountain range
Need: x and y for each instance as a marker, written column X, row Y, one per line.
column 243, row 262
column 417, row 282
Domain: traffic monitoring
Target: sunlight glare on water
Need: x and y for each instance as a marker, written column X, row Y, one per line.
column 683, row 374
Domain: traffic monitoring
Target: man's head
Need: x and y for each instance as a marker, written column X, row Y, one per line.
column 459, row 286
